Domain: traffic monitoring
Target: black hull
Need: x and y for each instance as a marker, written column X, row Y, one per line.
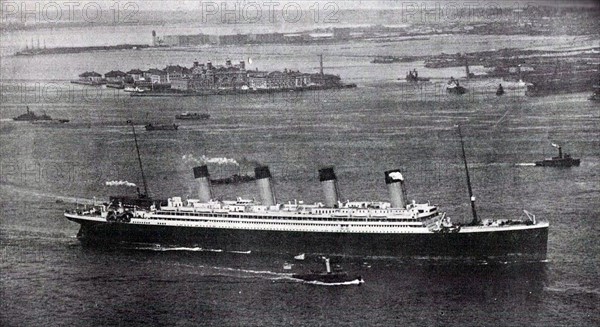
column 529, row 244
column 558, row 163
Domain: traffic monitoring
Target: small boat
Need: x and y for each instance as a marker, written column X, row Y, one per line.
column 454, row 87
column 500, row 90
column 413, row 76
column 31, row 116
column 329, row 277
column 161, row 127
column 300, row 256
column 287, row 266
column 192, row 116
column 560, row 161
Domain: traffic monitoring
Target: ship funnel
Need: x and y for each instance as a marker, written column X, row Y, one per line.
column 395, row 183
column 560, row 155
column 329, row 184
column 201, row 174
column 263, row 181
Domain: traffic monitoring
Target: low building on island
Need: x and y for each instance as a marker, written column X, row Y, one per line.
column 89, row 78
column 207, row 78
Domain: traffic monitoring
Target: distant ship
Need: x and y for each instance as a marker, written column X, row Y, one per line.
column 413, row 76
column 161, row 127
column 454, row 87
column 192, row 116
column 31, row 116
column 329, row 277
column 500, row 90
column 354, row 228
column 560, row 161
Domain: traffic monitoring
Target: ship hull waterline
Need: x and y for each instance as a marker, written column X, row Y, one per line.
column 528, row 244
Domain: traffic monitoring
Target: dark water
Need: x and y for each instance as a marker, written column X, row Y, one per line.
column 48, row 278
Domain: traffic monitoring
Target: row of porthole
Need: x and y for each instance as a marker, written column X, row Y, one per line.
column 345, row 227
column 282, row 218
column 291, row 224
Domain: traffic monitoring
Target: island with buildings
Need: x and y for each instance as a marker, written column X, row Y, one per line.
column 209, row 79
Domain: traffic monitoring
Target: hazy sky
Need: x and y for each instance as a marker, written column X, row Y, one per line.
column 347, row 4
column 186, row 5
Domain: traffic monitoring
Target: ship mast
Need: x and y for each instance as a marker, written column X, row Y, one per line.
column 321, row 64
column 137, row 149
column 475, row 220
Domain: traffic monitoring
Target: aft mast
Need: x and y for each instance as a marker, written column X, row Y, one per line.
column 137, row 149
column 475, row 220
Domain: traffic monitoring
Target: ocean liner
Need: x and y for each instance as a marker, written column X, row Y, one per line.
column 397, row 228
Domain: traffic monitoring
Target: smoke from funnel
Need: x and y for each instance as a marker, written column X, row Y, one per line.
column 202, row 176
column 396, row 189
column 206, row 160
column 263, row 182
column 329, row 185
column 560, row 155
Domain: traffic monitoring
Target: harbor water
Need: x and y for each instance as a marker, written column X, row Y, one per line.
column 48, row 278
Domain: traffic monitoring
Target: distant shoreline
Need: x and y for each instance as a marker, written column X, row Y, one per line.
column 65, row 50
column 240, row 91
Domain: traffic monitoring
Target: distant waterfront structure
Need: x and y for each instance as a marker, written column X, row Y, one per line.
column 235, row 77
column 89, row 78
column 335, row 34
column 206, row 78
column 115, row 79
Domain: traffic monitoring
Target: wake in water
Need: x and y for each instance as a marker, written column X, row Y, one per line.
column 353, row 282
column 160, row 248
column 241, row 272
column 572, row 288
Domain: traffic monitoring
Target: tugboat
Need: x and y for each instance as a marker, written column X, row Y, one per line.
column 192, row 116
column 161, row 127
column 413, row 76
column 329, row 277
column 31, row 116
column 500, row 90
column 560, row 161
column 454, row 87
